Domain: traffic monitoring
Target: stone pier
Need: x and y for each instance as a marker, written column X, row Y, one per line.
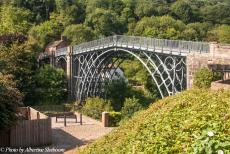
column 219, row 54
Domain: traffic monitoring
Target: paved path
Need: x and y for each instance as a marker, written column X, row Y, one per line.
column 76, row 135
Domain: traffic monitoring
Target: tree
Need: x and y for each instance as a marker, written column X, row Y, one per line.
column 45, row 33
column 164, row 27
column 10, row 99
column 196, row 31
column 134, row 70
column 40, row 8
column 117, row 91
column 19, row 60
column 183, row 11
column 216, row 14
column 69, row 12
column 77, row 34
column 220, row 34
column 92, row 5
column 104, row 22
column 9, row 39
column 14, row 20
column 51, row 85
column 144, row 8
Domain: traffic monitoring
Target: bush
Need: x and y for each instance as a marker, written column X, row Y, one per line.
column 204, row 77
column 131, row 105
column 114, row 118
column 51, row 85
column 117, row 91
column 95, row 106
column 173, row 125
column 10, row 99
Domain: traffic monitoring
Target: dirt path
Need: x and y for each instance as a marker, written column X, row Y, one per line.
column 76, row 135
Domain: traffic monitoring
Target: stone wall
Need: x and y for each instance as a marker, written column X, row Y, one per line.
column 194, row 62
column 219, row 54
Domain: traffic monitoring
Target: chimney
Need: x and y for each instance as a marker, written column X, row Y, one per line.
column 63, row 38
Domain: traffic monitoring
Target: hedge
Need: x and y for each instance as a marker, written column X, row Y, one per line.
column 194, row 121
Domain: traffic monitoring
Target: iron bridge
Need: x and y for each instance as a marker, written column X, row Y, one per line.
column 87, row 64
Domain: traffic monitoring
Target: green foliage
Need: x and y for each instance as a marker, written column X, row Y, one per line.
column 51, row 85
column 40, row 8
column 144, row 8
column 69, row 12
column 117, row 91
column 134, row 70
column 14, row 20
column 204, row 77
column 208, row 142
column 10, row 99
column 160, row 27
column 114, row 118
column 46, row 32
column 216, row 13
column 19, row 60
column 220, row 34
column 182, row 10
column 83, row 20
column 172, row 125
column 78, row 34
column 152, row 88
column 196, row 31
column 131, row 105
column 104, row 22
column 147, row 8
column 94, row 107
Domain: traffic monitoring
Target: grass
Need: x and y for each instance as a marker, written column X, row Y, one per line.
column 177, row 124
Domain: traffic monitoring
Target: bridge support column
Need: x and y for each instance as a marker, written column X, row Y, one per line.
column 69, row 72
column 52, row 59
column 194, row 62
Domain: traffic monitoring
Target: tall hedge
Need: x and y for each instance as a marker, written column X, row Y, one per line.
column 10, row 99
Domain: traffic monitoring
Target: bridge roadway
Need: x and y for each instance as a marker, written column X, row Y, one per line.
column 172, row 47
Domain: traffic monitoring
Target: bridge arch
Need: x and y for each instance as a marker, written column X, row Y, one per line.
column 61, row 62
column 158, row 67
column 165, row 60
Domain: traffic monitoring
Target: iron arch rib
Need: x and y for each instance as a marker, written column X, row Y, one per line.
column 155, row 64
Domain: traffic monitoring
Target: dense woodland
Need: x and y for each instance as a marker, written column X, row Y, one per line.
column 27, row 26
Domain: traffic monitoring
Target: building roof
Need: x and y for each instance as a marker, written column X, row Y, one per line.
column 54, row 44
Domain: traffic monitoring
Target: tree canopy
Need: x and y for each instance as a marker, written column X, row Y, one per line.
column 27, row 26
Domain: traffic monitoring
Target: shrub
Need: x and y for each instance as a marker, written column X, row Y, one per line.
column 131, row 105
column 173, row 125
column 117, row 91
column 10, row 99
column 204, row 77
column 95, row 106
column 51, row 85
column 114, row 118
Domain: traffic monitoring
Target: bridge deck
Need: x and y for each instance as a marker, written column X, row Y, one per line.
column 173, row 47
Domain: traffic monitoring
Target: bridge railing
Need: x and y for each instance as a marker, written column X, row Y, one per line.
column 61, row 51
column 139, row 42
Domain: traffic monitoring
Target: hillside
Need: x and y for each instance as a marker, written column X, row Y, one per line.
column 177, row 124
